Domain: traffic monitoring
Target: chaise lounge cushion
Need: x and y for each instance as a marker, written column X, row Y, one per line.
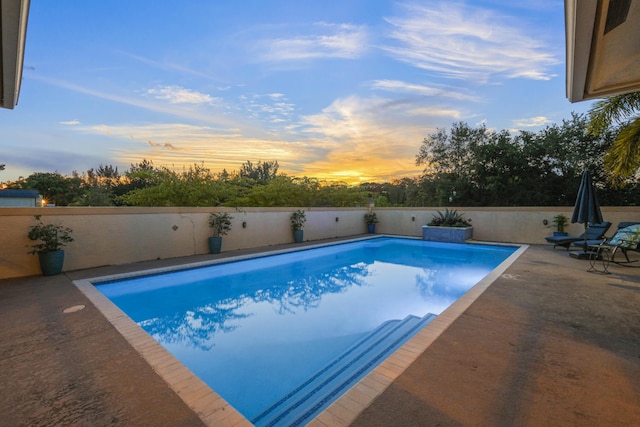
column 627, row 237
column 594, row 232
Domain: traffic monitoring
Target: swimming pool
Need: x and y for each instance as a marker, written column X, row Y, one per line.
column 259, row 331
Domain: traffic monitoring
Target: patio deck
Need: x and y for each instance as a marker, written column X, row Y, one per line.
column 546, row 344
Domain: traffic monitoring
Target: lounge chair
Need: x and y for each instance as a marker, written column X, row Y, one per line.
column 626, row 238
column 593, row 232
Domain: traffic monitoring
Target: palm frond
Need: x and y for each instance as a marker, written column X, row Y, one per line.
column 623, row 157
column 616, row 108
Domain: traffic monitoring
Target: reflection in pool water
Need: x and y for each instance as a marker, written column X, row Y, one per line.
column 255, row 329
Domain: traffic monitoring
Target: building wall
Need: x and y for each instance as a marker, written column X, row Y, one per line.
column 19, row 202
column 120, row 235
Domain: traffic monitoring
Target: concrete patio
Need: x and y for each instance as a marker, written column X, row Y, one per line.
column 546, row 344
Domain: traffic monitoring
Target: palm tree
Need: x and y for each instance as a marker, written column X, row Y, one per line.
column 623, row 157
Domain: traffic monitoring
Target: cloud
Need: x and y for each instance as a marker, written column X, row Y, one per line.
column 435, row 112
column 180, row 95
column 175, row 110
column 70, row 123
column 167, row 66
column 344, row 41
column 465, row 42
column 532, row 122
column 412, row 88
column 271, row 108
column 370, row 137
column 165, row 145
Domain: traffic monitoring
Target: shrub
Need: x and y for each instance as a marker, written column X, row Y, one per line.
column 52, row 236
column 449, row 219
column 370, row 218
column 220, row 222
column 298, row 218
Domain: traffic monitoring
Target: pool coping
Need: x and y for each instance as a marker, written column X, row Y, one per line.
column 213, row 410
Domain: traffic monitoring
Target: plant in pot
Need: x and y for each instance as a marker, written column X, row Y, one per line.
column 560, row 221
column 220, row 223
column 298, row 218
column 52, row 237
column 371, row 219
column 448, row 226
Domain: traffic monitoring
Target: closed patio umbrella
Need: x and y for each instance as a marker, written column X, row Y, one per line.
column 586, row 209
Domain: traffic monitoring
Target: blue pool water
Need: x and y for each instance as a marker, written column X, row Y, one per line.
column 266, row 331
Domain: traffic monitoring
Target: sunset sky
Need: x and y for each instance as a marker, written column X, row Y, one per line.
column 340, row 90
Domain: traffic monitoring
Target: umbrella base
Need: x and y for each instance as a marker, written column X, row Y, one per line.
column 585, row 255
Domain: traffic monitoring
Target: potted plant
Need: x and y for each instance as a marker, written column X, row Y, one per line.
column 298, row 218
column 560, row 221
column 52, row 238
column 371, row 219
column 220, row 223
column 448, row 226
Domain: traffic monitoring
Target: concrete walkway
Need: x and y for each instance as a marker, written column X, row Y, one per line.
column 546, row 344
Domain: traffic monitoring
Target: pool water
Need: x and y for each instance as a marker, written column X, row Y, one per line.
column 258, row 331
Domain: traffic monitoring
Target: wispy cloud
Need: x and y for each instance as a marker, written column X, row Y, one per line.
column 324, row 41
column 532, row 122
column 466, row 42
column 435, row 112
column 417, row 89
column 166, row 145
column 272, row 108
column 70, row 122
column 170, row 109
column 180, row 95
column 371, row 138
column 180, row 69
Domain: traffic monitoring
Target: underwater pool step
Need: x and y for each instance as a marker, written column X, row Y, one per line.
column 321, row 389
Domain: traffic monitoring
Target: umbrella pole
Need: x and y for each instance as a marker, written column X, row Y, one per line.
column 584, row 253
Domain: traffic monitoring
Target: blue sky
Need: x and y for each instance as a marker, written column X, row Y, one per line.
column 339, row 90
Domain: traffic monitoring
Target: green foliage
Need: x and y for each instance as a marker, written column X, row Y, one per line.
column 560, row 221
column 53, row 237
column 370, row 218
column 623, row 157
column 449, row 219
column 261, row 173
column 194, row 186
column 287, row 191
column 54, row 187
column 463, row 166
column 298, row 218
column 220, row 223
column 477, row 167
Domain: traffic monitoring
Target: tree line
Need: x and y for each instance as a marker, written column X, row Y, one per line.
column 463, row 166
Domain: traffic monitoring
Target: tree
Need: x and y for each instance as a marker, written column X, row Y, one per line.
column 450, row 167
column 98, row 186
column 262, row 173
column 623, row 158
column 477, row 167
column 195, row 186
column 54, row 187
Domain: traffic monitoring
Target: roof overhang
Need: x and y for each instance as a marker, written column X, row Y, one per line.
column 603, row 48
column 13, row 32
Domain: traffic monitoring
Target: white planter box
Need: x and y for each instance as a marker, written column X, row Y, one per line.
column 447, row 234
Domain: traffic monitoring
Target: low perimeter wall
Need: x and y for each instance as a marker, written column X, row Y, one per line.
column 120, row 235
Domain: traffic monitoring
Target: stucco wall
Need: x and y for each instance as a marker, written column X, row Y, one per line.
column 109, row 236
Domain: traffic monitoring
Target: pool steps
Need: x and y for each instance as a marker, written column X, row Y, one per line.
column 315, row 394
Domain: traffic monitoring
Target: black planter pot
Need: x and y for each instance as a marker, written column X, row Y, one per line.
column 215, row 245
column 51, row 262
column 298, row 236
